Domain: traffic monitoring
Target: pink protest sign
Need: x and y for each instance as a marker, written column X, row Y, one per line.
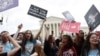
column 70, row 26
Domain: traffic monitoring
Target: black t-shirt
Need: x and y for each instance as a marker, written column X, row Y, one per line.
column 57, row 42
column 50, row 51
column 3, row 54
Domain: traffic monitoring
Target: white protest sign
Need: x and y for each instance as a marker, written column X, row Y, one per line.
column 68, row 16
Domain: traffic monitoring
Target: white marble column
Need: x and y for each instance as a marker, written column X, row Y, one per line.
column 50, row 29
column 43, row 31
column 54, row 30
column 57, row 30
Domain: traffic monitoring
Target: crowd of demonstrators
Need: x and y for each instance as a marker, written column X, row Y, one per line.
column 25, row 44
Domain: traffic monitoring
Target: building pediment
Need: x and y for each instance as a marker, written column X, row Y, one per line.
column 52, row 19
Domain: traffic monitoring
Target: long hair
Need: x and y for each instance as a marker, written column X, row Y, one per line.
column 86, row 46
column 69, row 42
column 78, row 38
column 38, row 49
column 51, row 40
column 66, row 47
column 24, row 40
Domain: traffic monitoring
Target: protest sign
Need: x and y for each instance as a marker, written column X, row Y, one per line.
column 37, row 12
column 68, row 16
column 70, row 26
column 7, row 4
column 92, row 17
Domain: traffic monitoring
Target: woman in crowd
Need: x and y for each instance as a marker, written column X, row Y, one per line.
column 19, row 35
column 13, row 51
column 50, row 47
column 78, row 42
column 91, row 46
column 6, row 44
column 67, row 48
column 28, row 42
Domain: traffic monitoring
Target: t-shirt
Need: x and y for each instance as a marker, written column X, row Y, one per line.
column 29, row 47
column 93, row 52
column 3, row 54
column 70, row 52
column 7, row 47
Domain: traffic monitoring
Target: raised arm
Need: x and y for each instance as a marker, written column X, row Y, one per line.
column 89, row 30
column 46, row 33
column 15, row 44
column 61, row 34
column 18, row 30
column 38, row 34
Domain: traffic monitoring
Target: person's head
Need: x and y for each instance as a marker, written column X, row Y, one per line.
column 51, row 39
column 66, row 40
column 92, row 39
column 28, row 34
column 38, row 49
column 27, row 37
column 81, row 34
column 21, row 35
column 4, row 36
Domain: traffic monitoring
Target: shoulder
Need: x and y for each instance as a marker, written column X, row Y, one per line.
column 34, row 54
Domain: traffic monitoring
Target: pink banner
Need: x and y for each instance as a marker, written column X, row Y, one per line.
column 70, row 26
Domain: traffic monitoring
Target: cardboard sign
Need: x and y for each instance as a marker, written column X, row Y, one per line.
column 7, row 4
column 68, row 16
column 37, row 12
column 93, row 17
column 70, row 26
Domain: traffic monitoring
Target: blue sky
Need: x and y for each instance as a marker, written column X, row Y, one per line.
column 18, row 15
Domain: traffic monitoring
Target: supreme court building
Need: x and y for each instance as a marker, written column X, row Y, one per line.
column 53, row 24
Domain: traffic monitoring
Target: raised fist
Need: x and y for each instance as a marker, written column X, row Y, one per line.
column 20, row 26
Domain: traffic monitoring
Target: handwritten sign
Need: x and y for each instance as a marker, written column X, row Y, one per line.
column 37, row 12
column 70, row 26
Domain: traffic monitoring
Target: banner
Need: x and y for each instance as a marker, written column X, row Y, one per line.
column 68, row 16
column 37, row 12
column 92, row 17
column 7, row 4
column 70, row 26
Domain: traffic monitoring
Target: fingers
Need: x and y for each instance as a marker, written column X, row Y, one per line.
column 20, row 26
